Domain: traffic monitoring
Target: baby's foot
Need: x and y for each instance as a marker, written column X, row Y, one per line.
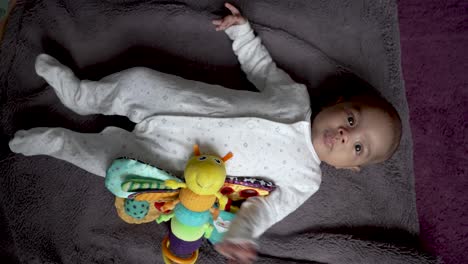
column 52, row 70
column 60, row 77
column 36, row 141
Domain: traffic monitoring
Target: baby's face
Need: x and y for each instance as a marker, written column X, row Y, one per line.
column 348, row 135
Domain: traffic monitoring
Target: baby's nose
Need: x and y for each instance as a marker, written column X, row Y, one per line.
column 342, row 135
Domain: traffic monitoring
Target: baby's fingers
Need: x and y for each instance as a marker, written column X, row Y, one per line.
column 217, row 22
column 227, row 22
column 233, row 9
column 245, row 257
column 240, row 259
column 237, row 255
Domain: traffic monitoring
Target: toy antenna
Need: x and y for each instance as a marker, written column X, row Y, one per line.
column 196, row 150
column 227, row 156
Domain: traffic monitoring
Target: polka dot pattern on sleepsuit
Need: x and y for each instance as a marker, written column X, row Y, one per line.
column 261, row 148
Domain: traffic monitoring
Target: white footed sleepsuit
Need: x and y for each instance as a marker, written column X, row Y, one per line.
column 269, row 131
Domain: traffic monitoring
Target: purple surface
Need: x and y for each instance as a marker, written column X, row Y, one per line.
column 434, row 41
column 183, row 248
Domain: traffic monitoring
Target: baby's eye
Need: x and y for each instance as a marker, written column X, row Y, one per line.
column 202, row 158
column 358, row 148
column 217, row 161
column 351, row 121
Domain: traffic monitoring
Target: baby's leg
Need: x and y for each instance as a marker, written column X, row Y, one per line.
column 91, row 152
column 84, row 97
column 141, row 92
column 136, row 93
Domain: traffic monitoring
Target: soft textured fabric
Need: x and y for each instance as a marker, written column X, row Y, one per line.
column 119, row 185
column 368, row 217
column 288, row 159
column 191, row 218
column 285, row 157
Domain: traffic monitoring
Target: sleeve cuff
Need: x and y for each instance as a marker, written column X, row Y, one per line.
column 238, row 30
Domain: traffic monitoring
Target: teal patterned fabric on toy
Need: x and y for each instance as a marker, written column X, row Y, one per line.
column 136, row 209
column 221, row 226
column 135, row 184
column 3, row 8
column 126, row 175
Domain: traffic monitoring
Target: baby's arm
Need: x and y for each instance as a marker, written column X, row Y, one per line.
column 254, row 58
column 257, row 214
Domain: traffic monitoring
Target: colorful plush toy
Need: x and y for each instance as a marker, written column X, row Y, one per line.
column 145, row 193
column 190, row 220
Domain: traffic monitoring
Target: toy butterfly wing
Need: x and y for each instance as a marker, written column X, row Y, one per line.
column 139, row 189
column 141, row 192
column 238, row 189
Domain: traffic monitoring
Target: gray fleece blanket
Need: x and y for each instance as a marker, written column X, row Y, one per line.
column 53, row 212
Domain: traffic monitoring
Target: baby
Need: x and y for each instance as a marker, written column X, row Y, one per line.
column 270, row 131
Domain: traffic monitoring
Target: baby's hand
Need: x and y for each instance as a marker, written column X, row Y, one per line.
column 235, row 19
column 237, row 253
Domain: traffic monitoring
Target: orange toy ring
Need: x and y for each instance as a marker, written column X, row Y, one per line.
column 177, row 260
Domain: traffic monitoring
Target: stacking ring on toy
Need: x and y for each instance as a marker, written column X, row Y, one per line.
column 170, row 258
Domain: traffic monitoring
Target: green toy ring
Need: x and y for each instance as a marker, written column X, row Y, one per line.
column 185, row 232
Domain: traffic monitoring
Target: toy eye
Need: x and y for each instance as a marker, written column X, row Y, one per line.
column 217, row 161
column 202, row 158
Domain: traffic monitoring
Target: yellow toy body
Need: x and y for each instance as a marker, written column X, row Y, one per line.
column 204, row 176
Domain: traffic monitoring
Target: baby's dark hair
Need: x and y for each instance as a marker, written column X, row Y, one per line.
column 347, row 87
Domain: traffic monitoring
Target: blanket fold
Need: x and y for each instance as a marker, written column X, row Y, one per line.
column 54, row 212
